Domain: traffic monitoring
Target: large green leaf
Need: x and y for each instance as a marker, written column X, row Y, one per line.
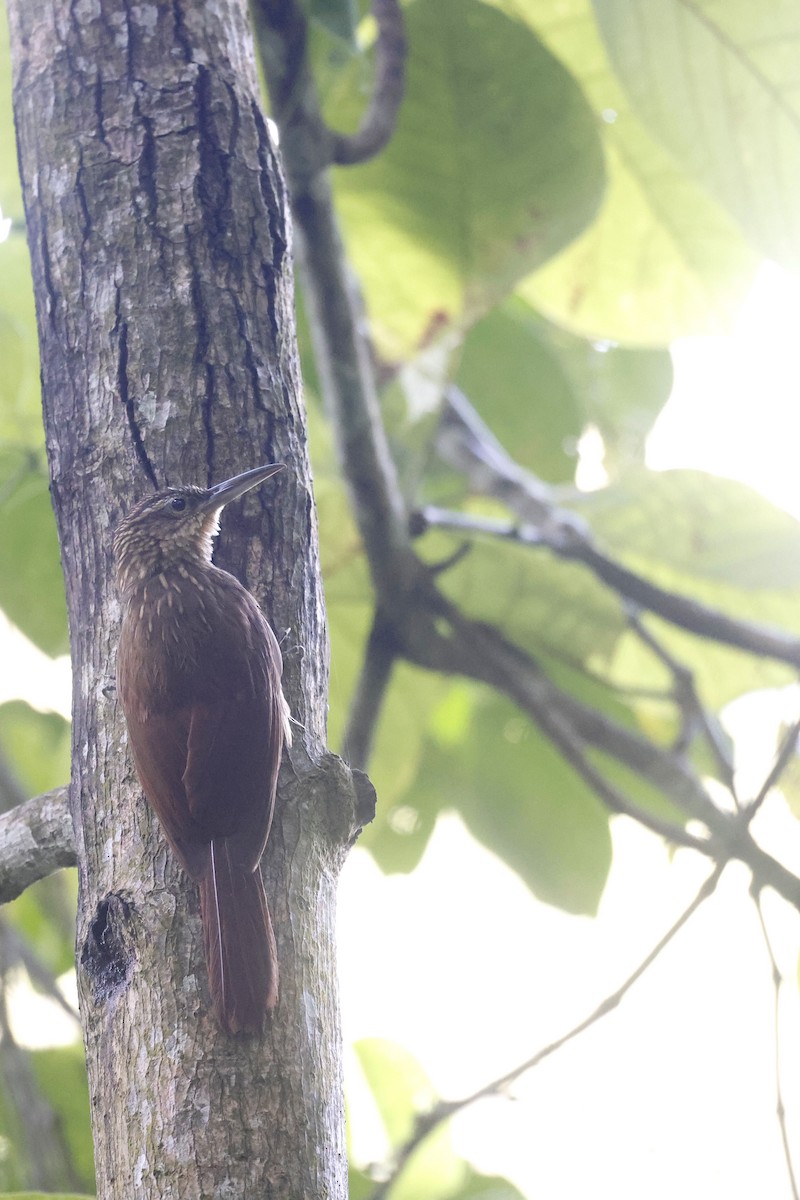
column 61, row 1076
column 717, row 542
column 717, row 83
column 518, row 384
column 523, row 801
column 538, row 600
column 402, row 1090
column 407, row 810
column 623, row 390
column 495, row 165
column 537, row 386
column 663, row 258
column 700, row 524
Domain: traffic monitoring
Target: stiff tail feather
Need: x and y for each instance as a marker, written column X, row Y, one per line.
column 240, row 947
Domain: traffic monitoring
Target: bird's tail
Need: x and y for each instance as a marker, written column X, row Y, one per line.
column 240, row 947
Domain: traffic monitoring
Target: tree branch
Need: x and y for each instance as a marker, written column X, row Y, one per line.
column 427, row 1122
column 467, row 444
column 380, row 119
column 563, row 540
column 335, row 311
column 787, row 748
column 428, row 630
column 367, row 702
column 36, row 839
column 687, row 698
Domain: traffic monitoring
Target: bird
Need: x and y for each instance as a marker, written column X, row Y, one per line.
column 199, row 673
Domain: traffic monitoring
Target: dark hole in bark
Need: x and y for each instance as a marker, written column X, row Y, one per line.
column 107, row 955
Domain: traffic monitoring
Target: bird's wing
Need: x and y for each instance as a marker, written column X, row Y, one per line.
column 235, row 741
column 159, row 744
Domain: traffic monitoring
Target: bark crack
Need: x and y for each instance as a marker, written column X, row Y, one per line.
column 181, row 32
column 121, row 329
column 275, row 203
column 147, row 167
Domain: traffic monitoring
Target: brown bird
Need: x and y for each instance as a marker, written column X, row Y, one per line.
column 199, row 678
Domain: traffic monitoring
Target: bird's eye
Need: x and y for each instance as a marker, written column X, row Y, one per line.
column 177, row 504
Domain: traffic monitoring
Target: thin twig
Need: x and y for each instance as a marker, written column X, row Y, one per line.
column 782, row 758
column 780, row 1107
column 380, row 118
column 334, row 306
column 427, row 1122
column 567, row 543
column 687, row 699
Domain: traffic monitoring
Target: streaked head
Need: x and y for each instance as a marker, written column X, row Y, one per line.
column 177, row 524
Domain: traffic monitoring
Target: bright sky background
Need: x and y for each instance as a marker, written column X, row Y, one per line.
column 673, row 1095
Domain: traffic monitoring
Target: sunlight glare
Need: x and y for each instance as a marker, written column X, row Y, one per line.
column 735, row 404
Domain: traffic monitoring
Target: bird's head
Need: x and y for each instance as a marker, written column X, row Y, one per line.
column 178, row 524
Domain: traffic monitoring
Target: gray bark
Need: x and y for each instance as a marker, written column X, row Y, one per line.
column 157, row 224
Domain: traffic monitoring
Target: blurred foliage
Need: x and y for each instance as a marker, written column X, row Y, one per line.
column 36, row 748
column 61, row 1074
column 541, row 226
column 401, row 1091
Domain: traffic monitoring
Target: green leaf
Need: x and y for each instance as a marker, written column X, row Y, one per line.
column 31, row 583
column 663, row 259
column 518, row 384
column 360, row 1185
column 487, row 1187
column 623, row 390
column 717, row 84
column 398, row 1083
column 402, row 1090
column 521, row 799
column 495, row 165
column 713, row 540
column 536, row 599
column 537, row 386
column 699, row 524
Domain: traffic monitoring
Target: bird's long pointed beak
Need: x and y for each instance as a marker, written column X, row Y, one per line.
column 222, row 493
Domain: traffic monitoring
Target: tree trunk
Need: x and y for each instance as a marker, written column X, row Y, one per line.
column 158, row 230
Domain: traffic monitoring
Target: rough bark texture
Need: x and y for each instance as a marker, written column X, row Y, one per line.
column 157, row 222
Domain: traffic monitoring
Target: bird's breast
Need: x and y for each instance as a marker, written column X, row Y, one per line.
column 187, row 635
